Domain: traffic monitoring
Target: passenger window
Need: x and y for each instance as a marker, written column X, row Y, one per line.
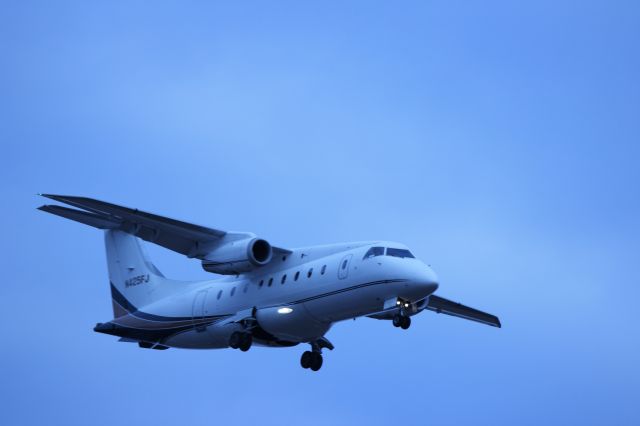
column 233, row 291
column 261, row 283
column 310, row 273
column 344, row 264
column 323, row 270
column 373, row 252
column 219, row 294
column 284, row 278
column 395, row 252
column 296, row 276
column 270, row 281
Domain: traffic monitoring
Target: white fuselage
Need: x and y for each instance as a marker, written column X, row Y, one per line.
column 266, row 295
column 316, row 286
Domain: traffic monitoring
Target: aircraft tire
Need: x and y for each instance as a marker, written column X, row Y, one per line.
column 397, row 320
column 316, row 361
column 406, row 323
column 234, row 340
column 246, row 342
column 305, row 359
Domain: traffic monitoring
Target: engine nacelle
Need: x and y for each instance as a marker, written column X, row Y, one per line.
column 239, row 256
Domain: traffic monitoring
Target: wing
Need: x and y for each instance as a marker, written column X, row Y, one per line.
column 441, row 305
column 182, row 237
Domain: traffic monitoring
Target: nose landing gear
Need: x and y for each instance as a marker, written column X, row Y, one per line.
column 401, row 321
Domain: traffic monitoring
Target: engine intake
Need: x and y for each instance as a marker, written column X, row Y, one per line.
column 238, row 256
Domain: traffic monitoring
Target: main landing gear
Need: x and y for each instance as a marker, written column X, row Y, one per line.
column 401, row 321
column 241, row 340
column 313, row 359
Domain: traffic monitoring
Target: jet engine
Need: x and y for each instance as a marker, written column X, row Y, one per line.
column 236, row 257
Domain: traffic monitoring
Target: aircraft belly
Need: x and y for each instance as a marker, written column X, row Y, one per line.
column 291, row 323
column 212, row 337
column 346, row 305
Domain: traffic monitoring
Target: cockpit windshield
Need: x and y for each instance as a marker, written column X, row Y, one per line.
column 394, row 252
column 373, row 252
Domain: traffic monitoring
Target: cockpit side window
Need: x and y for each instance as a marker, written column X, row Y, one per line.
column 395, row 252
column 373, row 252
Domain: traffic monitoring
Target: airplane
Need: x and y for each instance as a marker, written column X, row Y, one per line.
column 263, row 294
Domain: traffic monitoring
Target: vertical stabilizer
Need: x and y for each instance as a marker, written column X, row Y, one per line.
column 135, row 281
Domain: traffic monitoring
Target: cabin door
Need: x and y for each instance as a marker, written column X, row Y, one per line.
column 343, row 267
column 198, row 310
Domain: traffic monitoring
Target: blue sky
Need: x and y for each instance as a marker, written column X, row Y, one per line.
column 499, row 140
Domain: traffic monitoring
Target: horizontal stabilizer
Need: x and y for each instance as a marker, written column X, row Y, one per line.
column 443, row 306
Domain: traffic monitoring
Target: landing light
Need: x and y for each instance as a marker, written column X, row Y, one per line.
column 285, row 310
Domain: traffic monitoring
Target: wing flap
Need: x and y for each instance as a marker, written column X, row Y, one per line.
column 90, row 219
column 441, row 305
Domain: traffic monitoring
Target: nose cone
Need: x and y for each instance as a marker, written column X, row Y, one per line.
column 423, row 282
column 428, row 280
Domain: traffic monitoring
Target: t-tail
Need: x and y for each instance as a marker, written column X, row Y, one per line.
column 135, row 280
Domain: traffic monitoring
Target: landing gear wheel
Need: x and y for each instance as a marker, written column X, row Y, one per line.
column 305, row 359
column 312, row 360
column 397, row 320
column 240, row 340
column 316, row 361
column 246, row 342
column 406, row 323
column 235, row 340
